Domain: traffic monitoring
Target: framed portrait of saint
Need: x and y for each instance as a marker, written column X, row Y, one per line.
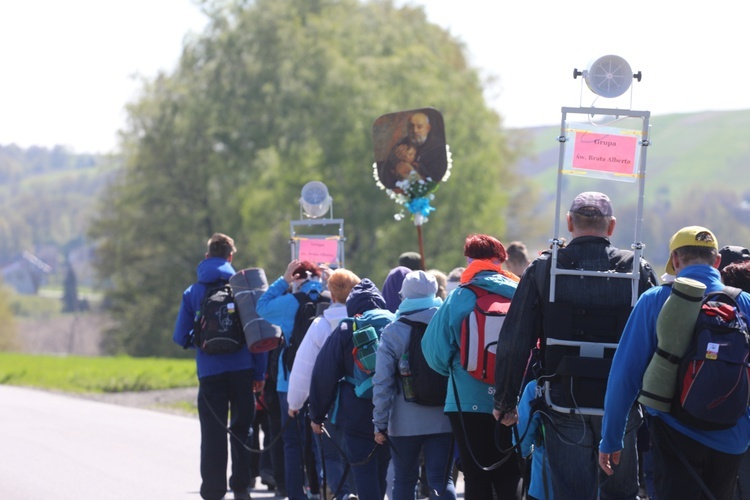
column 410, row 145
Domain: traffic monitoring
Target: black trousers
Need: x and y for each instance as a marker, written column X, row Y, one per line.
column 220, row 396
column 478, row 443
column 674, row 480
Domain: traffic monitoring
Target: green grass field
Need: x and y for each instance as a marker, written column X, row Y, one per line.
column 96, row 374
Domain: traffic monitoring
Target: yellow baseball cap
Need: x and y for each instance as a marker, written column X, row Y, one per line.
column 691, row 236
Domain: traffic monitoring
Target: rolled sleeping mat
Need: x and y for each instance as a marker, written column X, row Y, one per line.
column 674, row 330
column 247, row 286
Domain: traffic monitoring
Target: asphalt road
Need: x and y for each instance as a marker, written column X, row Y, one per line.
column 66, row 448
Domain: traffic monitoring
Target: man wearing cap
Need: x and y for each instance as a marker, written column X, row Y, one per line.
column 713, row 456
column 571, row 436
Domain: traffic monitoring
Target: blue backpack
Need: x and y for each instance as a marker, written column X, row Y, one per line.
column 366, row 331
column 713, row 378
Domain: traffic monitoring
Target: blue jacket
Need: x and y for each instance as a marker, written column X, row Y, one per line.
column 279, row 308
column 335, row 361
column 209, row 271
column 633, row 355
column 442, row 340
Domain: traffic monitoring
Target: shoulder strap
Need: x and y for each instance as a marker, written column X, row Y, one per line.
column 411, row 322
column 728, row 291
column 732, row 291
column 216, row 282
column 478, row 290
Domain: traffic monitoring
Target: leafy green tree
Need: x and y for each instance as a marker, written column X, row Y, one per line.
column 276, row 93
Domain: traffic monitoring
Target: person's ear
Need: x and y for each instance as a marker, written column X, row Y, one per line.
column 611, row 227
column 676, row 262
column 570, row 222
column 717, row 261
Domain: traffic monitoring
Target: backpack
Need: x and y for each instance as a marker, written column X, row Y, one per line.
column 366, row 331
column 429, row 386
column 218, row 328
column 713, row 378
column 580, row 340
column 307, row 311
column 479, row 333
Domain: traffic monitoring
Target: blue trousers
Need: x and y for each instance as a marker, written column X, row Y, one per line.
column 572, row 442
column 369, row 464
column 438, row 458
column 335, row 464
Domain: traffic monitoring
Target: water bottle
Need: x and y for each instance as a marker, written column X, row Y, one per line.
column 407, row 382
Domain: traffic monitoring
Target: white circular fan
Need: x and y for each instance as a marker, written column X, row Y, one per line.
column 315, row 201
column 608, row 76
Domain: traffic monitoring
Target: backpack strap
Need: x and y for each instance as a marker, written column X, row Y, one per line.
column 410, row 322
column 478, row 290
column 732, row 292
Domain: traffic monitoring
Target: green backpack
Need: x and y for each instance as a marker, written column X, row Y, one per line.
column 366, row 329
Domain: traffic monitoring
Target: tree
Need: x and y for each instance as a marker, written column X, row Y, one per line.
column 8, row 333
column 70, row 290
column 272, row 95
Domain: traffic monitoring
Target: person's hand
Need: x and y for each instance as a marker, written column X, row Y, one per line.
column 325, row 272
column 293, row 413
column 497, row 414
column 288, row 276
column 402, row 152
column 509, row 417
column 258, row 386
column 607, row 460
column 316, row 428
column 380, row 437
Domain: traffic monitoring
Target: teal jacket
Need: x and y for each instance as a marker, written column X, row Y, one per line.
column 442, row 340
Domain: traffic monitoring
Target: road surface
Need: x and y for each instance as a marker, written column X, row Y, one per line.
column 68, row 448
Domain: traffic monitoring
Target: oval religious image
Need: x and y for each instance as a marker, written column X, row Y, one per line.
column 410, row 145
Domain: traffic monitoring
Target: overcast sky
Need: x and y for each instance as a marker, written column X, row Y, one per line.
column 69, row 67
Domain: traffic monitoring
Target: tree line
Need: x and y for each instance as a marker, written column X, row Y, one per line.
column 271, row 95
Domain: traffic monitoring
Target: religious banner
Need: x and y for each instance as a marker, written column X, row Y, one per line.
column 411, row 158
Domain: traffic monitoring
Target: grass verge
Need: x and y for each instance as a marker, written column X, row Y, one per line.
column 96, row 374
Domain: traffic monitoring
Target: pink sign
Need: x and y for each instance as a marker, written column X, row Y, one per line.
column 609, row 153
column 319, row 251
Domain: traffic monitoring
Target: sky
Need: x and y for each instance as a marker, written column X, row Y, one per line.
column 70, row 68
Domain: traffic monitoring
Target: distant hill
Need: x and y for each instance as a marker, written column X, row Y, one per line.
column 47, row 197
column 695, row 174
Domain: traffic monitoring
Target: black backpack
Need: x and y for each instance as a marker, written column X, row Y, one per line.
column 310, row 306
column 218, row 328
column 430, row 387
column 713, row 378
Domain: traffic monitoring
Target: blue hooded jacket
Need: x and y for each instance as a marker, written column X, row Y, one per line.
column 210, row 270
column 280, row 308
column 335, row 361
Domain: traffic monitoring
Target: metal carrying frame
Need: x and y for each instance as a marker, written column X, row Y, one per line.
column 591, row 349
